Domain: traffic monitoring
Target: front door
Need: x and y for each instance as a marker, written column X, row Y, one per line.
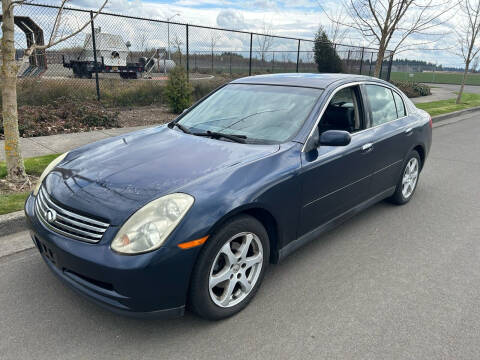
column 335, row 179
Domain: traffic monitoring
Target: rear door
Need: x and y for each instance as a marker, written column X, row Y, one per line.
column 391, row 135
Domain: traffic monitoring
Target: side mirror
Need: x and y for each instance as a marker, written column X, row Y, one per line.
column 335, row 138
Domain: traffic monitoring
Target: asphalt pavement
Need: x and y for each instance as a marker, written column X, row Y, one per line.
column 391, row 283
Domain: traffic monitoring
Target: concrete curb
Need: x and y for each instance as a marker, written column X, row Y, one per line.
column 454, row 114
column 12, row 223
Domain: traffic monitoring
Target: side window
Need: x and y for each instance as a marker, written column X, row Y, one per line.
column 344, row 112
column 400, row 105
column 382, row 104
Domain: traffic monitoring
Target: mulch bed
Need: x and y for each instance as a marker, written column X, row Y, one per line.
column 64, row 116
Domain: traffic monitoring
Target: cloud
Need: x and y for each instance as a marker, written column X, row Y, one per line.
column 231, row 19
column 202, row 3
column 262, row 4
column 299, row 18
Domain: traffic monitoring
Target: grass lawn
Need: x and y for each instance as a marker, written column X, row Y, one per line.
column 447, row 106
column 436, row 77
column 33, row 166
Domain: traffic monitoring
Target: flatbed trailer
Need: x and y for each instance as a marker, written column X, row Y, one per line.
column 85, row 69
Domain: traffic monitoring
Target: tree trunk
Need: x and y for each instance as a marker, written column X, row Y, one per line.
column 459, row 96
column 380, row 56
column 15, row 168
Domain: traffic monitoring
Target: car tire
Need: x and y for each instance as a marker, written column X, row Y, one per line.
column 408, row 179
column 243, row 272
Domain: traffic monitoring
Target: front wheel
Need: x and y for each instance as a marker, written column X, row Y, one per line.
column 229, row 269
column 408, row 180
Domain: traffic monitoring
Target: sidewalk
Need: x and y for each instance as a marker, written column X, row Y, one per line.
column 438, row 93
column 44, row 145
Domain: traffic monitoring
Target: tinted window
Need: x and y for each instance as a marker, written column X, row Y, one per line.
column 400, row 105
column 382, row 104
column 263, row 113
column 343, row 112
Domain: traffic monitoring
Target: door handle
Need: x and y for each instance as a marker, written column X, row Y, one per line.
column 367, row 147
column 409, row 131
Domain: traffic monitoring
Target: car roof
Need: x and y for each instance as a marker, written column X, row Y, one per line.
column 319, row 81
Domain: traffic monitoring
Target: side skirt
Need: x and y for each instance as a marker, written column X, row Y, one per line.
column 331, row 224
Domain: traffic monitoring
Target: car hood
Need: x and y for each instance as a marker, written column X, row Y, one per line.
column 114, row 177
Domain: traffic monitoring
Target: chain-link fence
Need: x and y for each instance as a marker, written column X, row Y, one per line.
column 117, row 48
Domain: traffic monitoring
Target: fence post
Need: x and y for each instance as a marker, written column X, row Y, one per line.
column 390, row 68
column 361, row 61
column 381, row 68
column 370, row 68
column 250, row 61
column 95, row 55
column 298, row 54
column 188, row 61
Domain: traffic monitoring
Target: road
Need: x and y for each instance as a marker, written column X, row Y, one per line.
column 392, row 283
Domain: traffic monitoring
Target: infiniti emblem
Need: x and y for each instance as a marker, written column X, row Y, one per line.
column 51, row 215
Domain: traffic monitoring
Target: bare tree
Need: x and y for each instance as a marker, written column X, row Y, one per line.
column 467, row 34
column 142, row 42
column 8, row 75
column 475, row 64
column 177, row 41
column 389, row 23
column 265, row 42
column 214, row 37
column 335, row 30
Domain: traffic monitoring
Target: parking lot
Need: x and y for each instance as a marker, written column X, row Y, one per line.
column 392, row 283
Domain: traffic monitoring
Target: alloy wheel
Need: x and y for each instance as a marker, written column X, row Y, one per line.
column 236, row 269
column 410, row 177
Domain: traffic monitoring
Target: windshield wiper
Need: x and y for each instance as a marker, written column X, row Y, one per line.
column 212, row 134
column 216, row 135
column 181, row 127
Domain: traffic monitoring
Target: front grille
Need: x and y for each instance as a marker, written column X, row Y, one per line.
column 66, row 222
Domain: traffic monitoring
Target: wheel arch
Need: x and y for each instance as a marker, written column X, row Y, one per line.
column 264, row 216
column 420, row 149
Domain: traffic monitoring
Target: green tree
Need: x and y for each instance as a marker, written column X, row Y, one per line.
column 178, row 90
column 326, row 57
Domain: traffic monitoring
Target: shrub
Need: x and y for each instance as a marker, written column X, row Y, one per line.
column 124, row 93
column 412, row 89
column 204, row 87
column 114, row 92
column 178, row 90
column 325, row 55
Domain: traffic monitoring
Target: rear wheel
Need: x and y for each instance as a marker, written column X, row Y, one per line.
column 230, row 269
column 409, row 179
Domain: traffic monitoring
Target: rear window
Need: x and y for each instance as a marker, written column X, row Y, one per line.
column 382, row 104
column 400, row 105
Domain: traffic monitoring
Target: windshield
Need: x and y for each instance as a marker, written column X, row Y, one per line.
column 262, row 113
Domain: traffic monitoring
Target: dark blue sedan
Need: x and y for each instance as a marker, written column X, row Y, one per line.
column 190, row 214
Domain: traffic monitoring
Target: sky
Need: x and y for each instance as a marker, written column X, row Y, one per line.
column 294, row 18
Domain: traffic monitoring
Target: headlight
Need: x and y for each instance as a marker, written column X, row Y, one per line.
column 147, row 229
column 47, row 170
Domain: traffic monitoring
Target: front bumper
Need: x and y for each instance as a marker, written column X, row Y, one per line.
column 146, row 285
